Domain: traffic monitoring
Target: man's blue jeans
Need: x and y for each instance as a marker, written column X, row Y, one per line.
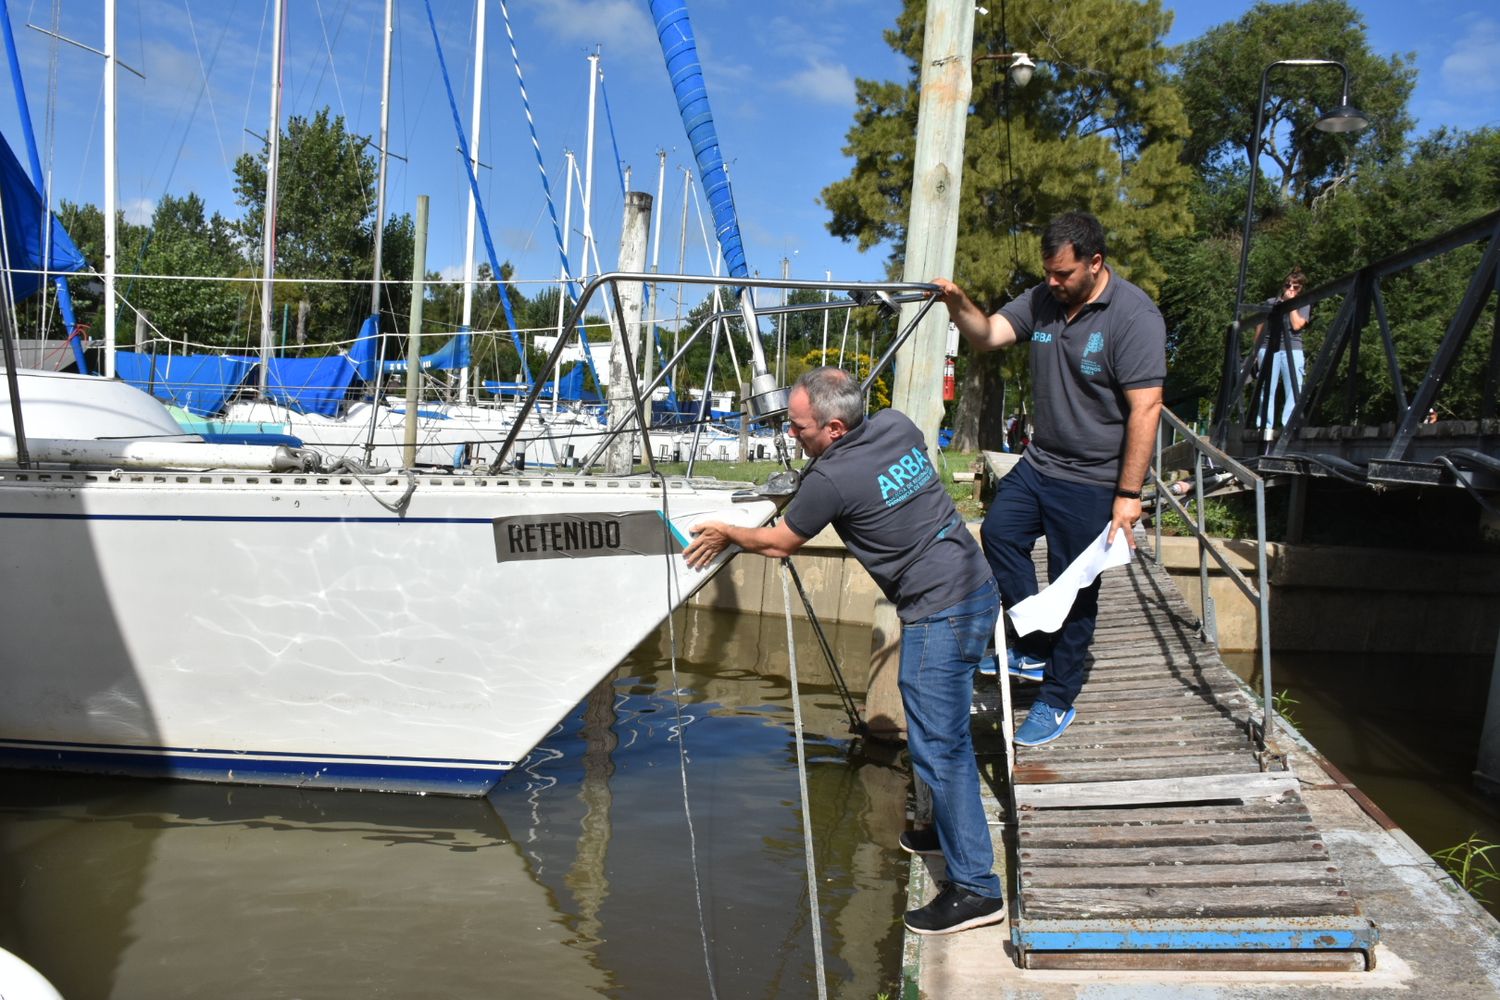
column 1027, row 506
column 939, row 655
column 1282, row 379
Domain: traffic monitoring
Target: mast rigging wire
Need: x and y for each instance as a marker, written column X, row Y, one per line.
column 570, row 289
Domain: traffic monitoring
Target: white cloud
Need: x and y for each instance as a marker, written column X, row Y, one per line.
column 138, row 211
column 621, row 26
column 822, row 82
column 1473, row 67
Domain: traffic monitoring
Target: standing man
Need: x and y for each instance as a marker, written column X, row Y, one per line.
column 1281, row 377
column 875, row 484
column 1098, row 361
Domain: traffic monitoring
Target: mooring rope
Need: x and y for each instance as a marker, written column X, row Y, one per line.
column 807, row 833
column 679, row 727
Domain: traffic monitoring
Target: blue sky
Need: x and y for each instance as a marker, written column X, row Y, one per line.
column 781, row 76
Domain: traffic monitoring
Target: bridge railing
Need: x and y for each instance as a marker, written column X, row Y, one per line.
column 1213, row 468
column 1243, row 423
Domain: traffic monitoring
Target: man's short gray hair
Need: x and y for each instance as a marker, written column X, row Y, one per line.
column 833, row 394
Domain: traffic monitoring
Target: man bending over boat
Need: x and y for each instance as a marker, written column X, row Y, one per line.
column 875, row 484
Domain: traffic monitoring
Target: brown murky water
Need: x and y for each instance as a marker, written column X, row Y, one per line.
column 578, row 876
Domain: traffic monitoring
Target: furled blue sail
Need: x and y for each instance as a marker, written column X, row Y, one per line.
column 680, row 50
column 35, row 240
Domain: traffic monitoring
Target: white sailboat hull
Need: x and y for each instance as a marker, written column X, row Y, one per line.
column 285, row 628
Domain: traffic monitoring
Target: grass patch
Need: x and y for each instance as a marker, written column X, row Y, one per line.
column 1472, row 864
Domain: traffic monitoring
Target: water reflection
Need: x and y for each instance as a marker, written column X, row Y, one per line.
column 579, row 876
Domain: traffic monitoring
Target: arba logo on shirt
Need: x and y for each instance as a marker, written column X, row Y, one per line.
column 905, row 477
column 1095, row 345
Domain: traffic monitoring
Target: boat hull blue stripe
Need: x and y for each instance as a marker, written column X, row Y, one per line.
column 389, row 774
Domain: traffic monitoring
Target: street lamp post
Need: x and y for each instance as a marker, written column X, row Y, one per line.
column 1344, row 118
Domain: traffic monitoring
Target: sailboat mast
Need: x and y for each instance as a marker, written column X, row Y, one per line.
column 109, row 189
column 268, row 247
column 588, row 164
column 468, row 315
column 385, row 123
column 562, row 270
column 649, row 351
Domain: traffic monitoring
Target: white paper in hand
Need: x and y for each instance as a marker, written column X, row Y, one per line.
column 1046, row 611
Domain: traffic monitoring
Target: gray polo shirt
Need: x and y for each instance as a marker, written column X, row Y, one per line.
column 881, row 493
column 1079, row 374
column 1293, row 337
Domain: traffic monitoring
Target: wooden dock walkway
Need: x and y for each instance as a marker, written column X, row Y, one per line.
column 1155, row 833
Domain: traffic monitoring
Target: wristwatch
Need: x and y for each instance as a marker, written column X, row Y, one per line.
column 1127, row 494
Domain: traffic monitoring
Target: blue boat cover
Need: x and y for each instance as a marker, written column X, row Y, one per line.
column 199, row 383
column 571, row 386
column 25, row 233
column 364, row 353
column 310, row 385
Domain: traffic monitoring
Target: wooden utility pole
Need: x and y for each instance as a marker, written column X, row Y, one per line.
column 931, row 241
column 414, row 336
column 618, row 458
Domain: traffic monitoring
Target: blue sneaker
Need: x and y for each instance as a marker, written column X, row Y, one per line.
column 1025, row 668
column 989, row 666
column 1043, row 725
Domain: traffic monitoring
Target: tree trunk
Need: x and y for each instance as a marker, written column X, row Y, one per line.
column 979, row 418
column 303, row 308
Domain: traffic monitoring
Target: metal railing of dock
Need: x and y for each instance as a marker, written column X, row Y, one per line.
column 1208, row 457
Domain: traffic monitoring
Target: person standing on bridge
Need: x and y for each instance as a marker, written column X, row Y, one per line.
column 874, row 482
column 1098, row 361
column 1281, row 376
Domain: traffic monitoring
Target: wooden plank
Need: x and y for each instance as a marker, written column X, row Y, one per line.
column 1191, row 854
column 1127, row 742
column 1142, row 769
column 1213, row 723
column 1150, row 750
column 1187, row 705
column 1255, row 811
column 1148, row 903
column 1190, row 789
column 1221, row 876
column 1083, row 838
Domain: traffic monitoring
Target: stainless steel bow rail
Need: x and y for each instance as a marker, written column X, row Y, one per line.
column 768, row 401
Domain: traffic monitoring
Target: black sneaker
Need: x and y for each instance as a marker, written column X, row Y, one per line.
column 955, row 909
column 921, row 841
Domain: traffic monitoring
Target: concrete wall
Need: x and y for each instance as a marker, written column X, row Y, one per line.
column 1323, row 598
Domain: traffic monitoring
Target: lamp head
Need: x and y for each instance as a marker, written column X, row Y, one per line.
column 1021, row 68
column 1344, row 118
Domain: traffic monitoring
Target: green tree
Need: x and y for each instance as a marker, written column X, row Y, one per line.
column 1100, row 128
column 1444, row 180
column 85, row 223
column 183, row 242
column 1220, row 83
column 324, row 225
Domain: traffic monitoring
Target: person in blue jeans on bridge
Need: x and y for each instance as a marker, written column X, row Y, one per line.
column 874, row 482
column 1098, row 361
